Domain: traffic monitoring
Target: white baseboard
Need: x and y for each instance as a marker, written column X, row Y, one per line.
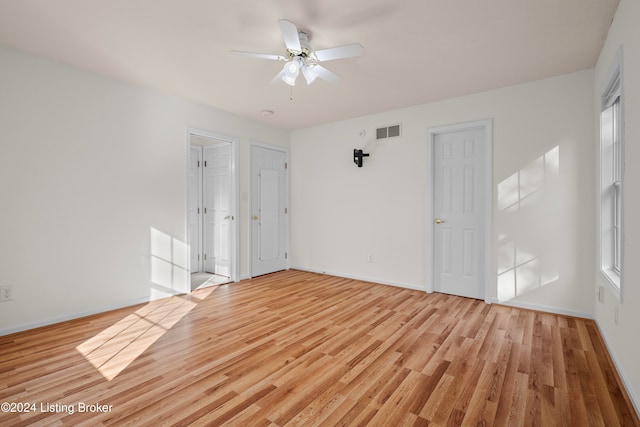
column 67, row 317
column 627, row 386
column 362, row 278
column 545, row 308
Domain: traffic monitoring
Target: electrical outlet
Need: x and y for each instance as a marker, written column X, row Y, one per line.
column 6, row 293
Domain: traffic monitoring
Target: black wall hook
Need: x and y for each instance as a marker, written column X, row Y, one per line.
column 358, row 156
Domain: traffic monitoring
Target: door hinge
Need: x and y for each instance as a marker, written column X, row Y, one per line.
column 285, row 255
column 198, row 211
column 286, row 165
column 205, row 257
column 198, row 163
column 205, row 163
column 286, row 210
column 198, row 257
column 205, row 211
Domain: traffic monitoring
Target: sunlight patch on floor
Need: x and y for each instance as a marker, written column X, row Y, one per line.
column 115, row 348
column 202, row 293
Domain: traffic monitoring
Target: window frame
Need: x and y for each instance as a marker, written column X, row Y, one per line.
column 611, row 179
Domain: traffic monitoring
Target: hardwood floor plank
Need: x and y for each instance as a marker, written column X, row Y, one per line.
column 518, row 410
column 440, row 401
column 508, row 390
column 475, row 412
column 358, row 415
column 303, row 349
column 320, row 408
column 357, row 383
column 400, row 401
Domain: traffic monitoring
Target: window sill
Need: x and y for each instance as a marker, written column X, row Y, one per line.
column 613, row 280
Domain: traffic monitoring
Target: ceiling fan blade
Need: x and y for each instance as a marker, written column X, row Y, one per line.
column 346, row 51
column 325, row 74
column 278, row 78
column 259, row 55
column 290, row 35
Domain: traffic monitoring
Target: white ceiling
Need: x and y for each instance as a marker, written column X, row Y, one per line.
column 416, row 51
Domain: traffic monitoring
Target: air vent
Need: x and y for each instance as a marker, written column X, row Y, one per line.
column 388, row 132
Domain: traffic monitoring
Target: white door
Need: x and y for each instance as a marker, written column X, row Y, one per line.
column 459, row 235
column 268, row 210
column 217, row 208
column 193, row 208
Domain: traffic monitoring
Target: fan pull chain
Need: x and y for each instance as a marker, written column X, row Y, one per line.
column 291, row 95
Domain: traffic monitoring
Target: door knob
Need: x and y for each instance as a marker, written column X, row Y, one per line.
column 439, row 221
column 255, row 217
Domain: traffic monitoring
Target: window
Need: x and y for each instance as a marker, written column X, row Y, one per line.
column 611, row 178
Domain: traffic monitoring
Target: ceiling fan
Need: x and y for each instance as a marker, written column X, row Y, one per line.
column 301, row 57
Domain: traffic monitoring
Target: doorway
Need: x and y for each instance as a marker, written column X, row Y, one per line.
column 459, row 227
column 211, row 209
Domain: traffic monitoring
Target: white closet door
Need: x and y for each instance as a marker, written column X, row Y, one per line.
column 217, row 208
column 268, row 205
column 193, row 209
column 459, row 233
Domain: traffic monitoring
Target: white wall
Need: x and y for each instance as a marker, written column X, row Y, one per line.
column 341, row 213
column 93, row 189
column 622, row 339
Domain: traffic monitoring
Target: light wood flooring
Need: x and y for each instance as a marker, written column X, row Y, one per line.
column 300, row 349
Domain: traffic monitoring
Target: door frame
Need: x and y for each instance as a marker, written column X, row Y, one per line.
column 284, row 150
column 487, row 126
column 234, row 142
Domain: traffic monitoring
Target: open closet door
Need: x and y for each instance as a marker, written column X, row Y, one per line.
column 217, row 208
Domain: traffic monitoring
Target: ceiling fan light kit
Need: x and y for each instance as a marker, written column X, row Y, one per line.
column 300, row 56
column 310, row 73
column 290, row 72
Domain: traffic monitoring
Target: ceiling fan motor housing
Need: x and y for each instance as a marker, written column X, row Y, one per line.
column 306, row 51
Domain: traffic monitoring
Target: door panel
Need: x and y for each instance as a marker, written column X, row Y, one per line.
column 268, row 205
column 469, row 253
column 459, row 212
column 269, row 218
column 217, row 208
column 193, row 209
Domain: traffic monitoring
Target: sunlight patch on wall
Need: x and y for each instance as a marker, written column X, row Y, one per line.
column 527, row 202
column 115, row 348
column 169, row 265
